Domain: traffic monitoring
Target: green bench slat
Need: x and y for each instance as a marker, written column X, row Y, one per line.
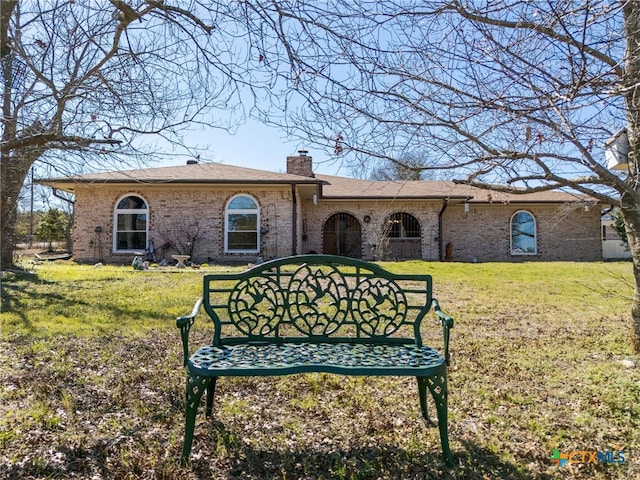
column 341, row 358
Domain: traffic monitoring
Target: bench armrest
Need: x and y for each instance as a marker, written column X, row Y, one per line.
column 184, row 324
column 447, row 323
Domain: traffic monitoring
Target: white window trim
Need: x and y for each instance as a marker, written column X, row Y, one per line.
column 255, row 211
column 125, row 211
column 535, row 235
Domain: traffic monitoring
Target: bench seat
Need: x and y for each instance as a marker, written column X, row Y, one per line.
column 340, row 358
column 317, row 313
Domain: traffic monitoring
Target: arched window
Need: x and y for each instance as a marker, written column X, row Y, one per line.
column 523, row 234
column 242, row 225
column 131, row 225
column 403, row 225
column 404, row 235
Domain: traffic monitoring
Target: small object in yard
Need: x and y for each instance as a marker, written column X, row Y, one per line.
column 180, row 259
column 448, row 255
column 627, row 363
column 52, row 257
column 195, row 266
column 98, row 265
column 137, row 263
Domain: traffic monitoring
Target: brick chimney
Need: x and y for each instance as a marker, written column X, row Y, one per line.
column 300, row 164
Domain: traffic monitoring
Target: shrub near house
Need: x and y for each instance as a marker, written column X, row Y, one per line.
column 52, row 227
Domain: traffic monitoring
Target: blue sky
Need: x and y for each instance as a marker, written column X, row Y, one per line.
column 255, row 145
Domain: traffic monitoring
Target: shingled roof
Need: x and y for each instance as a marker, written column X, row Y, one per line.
column 350, row 188
column 202, row 173
column 332, row 187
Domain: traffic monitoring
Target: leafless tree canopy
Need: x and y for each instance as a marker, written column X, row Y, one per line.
column 95, row 84
column 513, row 95
column 91, row 77
column 521, row 93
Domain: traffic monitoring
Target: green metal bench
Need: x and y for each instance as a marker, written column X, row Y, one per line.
column 316, row 313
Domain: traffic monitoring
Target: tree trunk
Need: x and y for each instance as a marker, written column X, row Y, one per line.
column 67, row 234
column 630, row 200
column 635, row 315
column 11, row 181
column 8, row 214
column 631, row 214
column 14, row 173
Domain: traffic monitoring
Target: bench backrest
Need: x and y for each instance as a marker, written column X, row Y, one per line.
column 317, row 298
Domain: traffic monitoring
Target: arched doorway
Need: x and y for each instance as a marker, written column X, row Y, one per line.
column 342, row 235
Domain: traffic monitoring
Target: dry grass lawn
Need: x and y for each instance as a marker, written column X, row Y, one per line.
column 92, row 384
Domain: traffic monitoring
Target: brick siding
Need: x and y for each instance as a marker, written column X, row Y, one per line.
column 564, row 232
column 481, row 234
column 173, row 209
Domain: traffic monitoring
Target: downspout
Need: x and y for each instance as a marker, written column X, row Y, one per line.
column 294, row 222
column 445, row 203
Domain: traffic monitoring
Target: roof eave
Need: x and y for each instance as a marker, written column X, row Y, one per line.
column 55, row 182
column 393, row 197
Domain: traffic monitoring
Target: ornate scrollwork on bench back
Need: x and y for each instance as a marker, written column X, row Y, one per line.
column 322, row 296
column 256, row 306
column 378, row 306
column 317, row 300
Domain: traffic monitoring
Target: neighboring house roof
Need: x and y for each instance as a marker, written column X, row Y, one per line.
column 331, row 187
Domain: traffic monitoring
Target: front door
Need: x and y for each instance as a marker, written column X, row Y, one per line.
column 342, row 235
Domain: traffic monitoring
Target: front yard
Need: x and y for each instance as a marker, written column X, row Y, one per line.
column 92, row 384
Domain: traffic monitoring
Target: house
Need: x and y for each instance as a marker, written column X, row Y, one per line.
column 223, row 213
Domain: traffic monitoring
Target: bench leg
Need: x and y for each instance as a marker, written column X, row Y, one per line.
column 196, row 386
column 211, row 390
column 437, row 385
column 422, row 393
